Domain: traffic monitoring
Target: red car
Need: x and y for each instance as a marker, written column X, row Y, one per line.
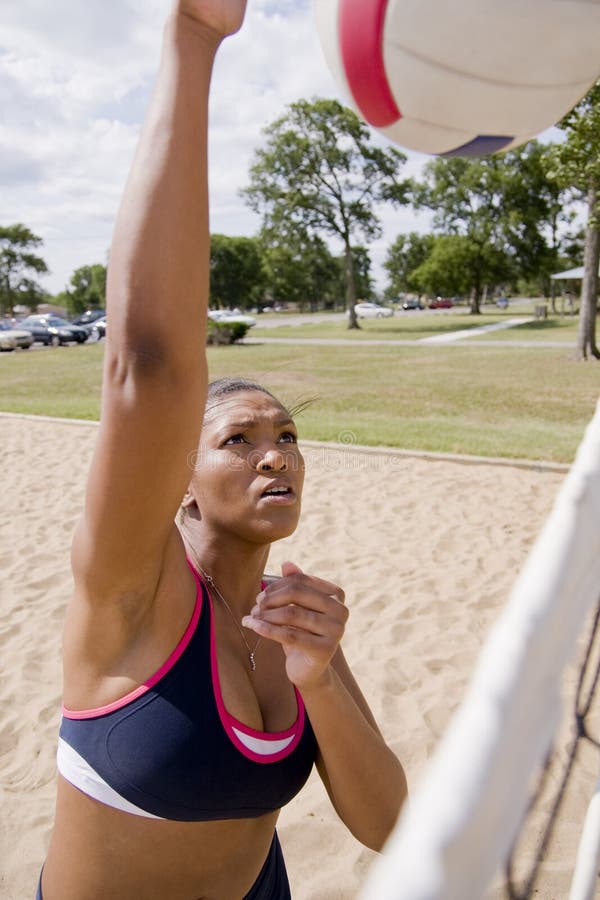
column 441, row 303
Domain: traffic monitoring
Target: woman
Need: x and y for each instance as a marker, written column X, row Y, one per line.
column 197, row 693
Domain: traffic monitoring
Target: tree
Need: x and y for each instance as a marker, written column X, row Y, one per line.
column 575, row 163
column 467, row 197
column 17, row 265
column 87, row 289
column 504, row 202
column 320, row 173
column 237, row 277
column 455, row 265
column 361, row 267
column 538, row 213
column 300, row 269
column 405, row 255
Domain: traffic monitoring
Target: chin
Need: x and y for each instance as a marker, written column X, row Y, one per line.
column 269, row 532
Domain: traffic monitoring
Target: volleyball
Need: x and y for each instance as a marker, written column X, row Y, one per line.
column 461, row 77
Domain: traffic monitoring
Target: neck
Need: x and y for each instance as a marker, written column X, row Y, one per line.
column 235, row 567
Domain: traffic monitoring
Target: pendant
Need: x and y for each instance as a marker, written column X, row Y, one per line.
column 252, row 663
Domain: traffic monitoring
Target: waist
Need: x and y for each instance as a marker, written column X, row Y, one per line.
column 114, row 854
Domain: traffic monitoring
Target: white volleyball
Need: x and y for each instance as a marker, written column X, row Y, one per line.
column 461, row 77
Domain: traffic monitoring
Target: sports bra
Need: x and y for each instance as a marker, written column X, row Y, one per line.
column 170, row 749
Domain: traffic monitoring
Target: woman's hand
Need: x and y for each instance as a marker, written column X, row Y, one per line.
column 222, row 17
column 306, row 615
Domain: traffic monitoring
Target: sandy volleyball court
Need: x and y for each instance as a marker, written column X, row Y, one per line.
column 427, row 551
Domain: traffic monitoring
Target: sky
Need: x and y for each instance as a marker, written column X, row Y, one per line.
column 75, row 77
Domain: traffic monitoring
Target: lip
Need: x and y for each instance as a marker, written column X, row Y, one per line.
column 286, row 499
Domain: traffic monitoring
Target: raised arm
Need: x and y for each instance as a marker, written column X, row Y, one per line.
column 155, row 370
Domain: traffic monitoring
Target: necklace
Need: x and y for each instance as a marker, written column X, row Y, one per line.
column 251, row 650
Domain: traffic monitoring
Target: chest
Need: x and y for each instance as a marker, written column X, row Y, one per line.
column 179, row 750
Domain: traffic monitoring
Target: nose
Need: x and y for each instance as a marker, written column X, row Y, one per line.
column 272, row 460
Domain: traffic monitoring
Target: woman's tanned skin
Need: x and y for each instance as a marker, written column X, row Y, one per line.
column 134, row 592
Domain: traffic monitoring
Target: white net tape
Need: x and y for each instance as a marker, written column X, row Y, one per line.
column 462, row 820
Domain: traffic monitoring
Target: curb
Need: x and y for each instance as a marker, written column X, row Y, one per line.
column 536, row 465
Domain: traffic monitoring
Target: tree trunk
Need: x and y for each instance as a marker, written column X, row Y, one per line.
column 553, row 298
column 586, row 338
column 350, row 288
column 554, row 248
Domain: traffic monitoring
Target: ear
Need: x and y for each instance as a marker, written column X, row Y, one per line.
column 188, row 501
column 189, row 507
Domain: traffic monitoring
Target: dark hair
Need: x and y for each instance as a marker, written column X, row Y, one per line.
column 232, row 385
column 222, row 387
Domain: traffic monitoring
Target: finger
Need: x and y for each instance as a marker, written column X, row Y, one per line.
column 287, row 585
column 301, row 618
column 290, row 568
column 288, row 636
column 302, row 597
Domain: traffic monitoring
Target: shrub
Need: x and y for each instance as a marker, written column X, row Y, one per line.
column 220, row 333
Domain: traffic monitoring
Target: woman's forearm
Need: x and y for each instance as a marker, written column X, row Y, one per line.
column 159, row 262
column 364, row 779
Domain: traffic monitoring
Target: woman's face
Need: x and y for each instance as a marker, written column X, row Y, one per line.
column 250, row 472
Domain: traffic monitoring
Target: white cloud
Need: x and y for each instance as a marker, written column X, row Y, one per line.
column 74, row 83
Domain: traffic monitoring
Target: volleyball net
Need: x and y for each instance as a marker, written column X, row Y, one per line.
column 460, row 824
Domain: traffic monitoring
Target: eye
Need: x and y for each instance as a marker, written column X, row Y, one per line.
column 288, row 437
column 235, row 439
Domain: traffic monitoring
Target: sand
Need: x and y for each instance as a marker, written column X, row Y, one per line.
column 426, row 549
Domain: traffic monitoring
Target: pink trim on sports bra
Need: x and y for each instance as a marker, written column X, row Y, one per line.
column 160, row 673
column 259, row 746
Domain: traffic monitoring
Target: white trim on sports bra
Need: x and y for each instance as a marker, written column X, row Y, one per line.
column 80, row 774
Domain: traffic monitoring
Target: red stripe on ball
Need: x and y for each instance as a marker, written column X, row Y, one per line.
column 361, row 25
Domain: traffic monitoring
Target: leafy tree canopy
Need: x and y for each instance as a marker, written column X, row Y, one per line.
column 18, row 268
column 237, row 276
column 452, row 264
column 320, row 173
column 575, row 164
column 86, row 289
column 504, row 201
column 405, row 255
column 300, row 269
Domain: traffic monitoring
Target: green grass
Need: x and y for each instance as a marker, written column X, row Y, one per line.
column 62, row 382
column 491, row 401
column 415, row 326
column 554, row 328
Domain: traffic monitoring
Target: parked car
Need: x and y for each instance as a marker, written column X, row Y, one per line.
column 86, row 320
column 412, row 304
column 502, row 302
column 99, row 328
column 54, row 331
column 228, row 315
column 441, row 303
column 366, row 310
column 11, row 338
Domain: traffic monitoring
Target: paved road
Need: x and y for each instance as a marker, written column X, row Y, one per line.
column 452, row 339
column 367, row 342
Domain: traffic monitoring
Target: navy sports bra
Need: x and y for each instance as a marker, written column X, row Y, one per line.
column 170, row 750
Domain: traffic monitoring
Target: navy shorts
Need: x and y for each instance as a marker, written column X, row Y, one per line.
column 272, row 882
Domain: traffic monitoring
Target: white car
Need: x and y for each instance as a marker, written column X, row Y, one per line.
column 226, row 315
column 11, row 338
column 367, row 310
